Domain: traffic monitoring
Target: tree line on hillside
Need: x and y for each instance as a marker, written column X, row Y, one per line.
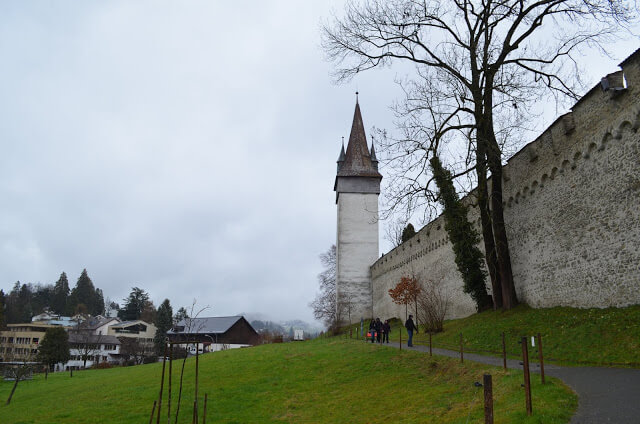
column 26, row 300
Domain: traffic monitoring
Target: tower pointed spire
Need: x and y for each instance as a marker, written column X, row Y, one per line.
column 374, row 159
column 358, row 161
column 341, row 156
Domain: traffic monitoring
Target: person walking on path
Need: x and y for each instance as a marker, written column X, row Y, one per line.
column 378, row 330
column 386, row 329
column 410, row 326
column 372, row 330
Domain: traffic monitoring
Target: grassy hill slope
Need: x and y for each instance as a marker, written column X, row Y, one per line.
column 322, row 381
column 607, row 337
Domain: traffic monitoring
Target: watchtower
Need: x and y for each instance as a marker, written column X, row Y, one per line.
column 357, row 186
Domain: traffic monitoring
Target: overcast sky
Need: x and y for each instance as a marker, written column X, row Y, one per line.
column 187, row 148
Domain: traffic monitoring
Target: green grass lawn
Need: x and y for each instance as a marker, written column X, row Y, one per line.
column 323, row 381
column 606, row 337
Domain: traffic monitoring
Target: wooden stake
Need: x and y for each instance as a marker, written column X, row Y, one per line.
column 204, row 410
column 195, row 407
column 153, row 411
column 504, row 353
column 488, row 399
column 164, row 361
column 169, row 388
column 527, row 377
column 540, row 357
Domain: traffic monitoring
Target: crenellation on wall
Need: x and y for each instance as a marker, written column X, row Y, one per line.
column 572, row 212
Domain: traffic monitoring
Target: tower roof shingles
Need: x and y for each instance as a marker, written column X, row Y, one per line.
column 357, row 160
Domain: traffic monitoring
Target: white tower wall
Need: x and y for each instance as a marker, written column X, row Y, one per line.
column 356, row 250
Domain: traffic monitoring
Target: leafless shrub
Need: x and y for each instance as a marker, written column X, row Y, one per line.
column 433, row 302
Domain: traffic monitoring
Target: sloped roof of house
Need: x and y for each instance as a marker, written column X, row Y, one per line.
column 95, row 323
column 129, row 323
column 92, row 339
column 208, row 325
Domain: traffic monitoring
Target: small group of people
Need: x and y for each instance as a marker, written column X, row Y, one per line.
column 379, row 331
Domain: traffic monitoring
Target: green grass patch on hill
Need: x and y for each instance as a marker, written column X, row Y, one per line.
column 570, row 336
column 323, row 381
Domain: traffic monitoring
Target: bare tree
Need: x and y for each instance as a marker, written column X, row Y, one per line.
column 393, row 231
column 132, row 349
column 481, row 62
column 325, row 306
column 344, row 307
column 191, row 326
column 18, row 367
column 83, row 339
column 433, row 300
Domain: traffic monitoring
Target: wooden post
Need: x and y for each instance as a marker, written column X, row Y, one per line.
column 71, row 372
column 169, row 388
column 527, row 377
column 164, row 362
column 430, row 345
column 488, row 399
column 46, row 372
column 204, row 410
column 540, row 357
column 461, row 350
column 400, row 332
column 195, row 403
column 153, row 411
column 504, row 353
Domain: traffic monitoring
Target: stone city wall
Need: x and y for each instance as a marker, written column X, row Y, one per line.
column 572, row 210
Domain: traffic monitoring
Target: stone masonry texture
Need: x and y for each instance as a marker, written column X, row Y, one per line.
column 572, row 209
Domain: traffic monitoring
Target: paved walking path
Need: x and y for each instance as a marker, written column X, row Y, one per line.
column 605, row 395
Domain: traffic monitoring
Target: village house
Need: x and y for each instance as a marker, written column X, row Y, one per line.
column 214, row 333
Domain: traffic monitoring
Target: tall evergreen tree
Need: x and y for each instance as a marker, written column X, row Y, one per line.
column 98, row 303
column 164, row 322
column 408, row 232
column 2, row 306
column 60, row 294
column 134, row 305
column 181, row 314
column 84, row 297
column 41, row 297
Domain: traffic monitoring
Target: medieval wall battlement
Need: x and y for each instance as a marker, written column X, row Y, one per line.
column 572, row 210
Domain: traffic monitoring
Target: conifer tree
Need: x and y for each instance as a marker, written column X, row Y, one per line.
column 54, row 347
column 2, row 303
column 84, row 297
column 60, row 294
column 408, row 232
column 164, row 322
column 181, row 314
column 134, row 305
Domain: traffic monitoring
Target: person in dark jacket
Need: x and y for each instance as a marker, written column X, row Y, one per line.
column 372, row 330
column 386, row 329
column 378, row 330
column 410, row 326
